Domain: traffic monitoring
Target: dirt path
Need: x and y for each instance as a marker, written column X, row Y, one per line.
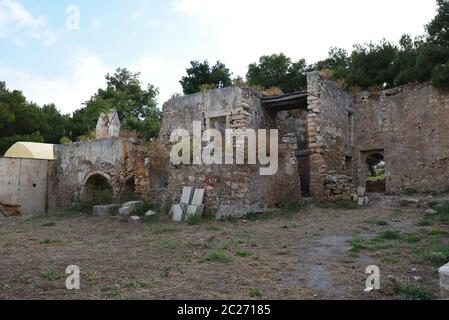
column 304, row 255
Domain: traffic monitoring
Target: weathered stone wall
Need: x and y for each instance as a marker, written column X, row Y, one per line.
column 233, row 189
column 26, row 186
column 117, row 160
column 330, row 135
column 410, row 127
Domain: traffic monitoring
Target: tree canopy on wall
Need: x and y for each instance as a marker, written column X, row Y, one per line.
column 278, row 70
column 201, row 75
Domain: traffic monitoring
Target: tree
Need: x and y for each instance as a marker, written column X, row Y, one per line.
column 277, row 70
column 202, row 75
column 136, row 106
column 372, row 65
column 438, row 28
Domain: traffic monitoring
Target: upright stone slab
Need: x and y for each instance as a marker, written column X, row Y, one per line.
column 186, row 195
column 198, row 197
column 444, row 282
column 178, row 212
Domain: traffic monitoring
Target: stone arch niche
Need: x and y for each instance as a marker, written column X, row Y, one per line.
column 128, row 192
column 98, row 188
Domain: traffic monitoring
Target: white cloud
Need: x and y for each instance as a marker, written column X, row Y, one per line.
column 87, row 73
column 137, row 14
column 245, row 30
column 16, row 20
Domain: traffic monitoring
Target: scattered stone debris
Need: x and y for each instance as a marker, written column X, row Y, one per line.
column 444, row 281
column 128, row 207
column 431, row 211
column 150, row 213
column 106, row 210
column 135, row 219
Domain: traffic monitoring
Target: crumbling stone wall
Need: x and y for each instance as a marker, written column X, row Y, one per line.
column 233, row 189
column 410, row 127
column 117, row 160
column 330, row 135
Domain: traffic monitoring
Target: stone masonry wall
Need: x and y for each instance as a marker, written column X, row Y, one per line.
column 330, row 135
column 233, row 189
column 410, row 126
column 117, row 160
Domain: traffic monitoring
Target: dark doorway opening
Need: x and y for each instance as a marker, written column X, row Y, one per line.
column 97, row 190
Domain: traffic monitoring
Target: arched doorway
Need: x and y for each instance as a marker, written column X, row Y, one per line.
column 375, row 172
column 97, row 190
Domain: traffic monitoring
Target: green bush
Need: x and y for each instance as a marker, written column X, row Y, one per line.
column 440, row 76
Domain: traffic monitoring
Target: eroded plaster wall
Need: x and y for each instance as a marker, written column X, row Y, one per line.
column 410, row 126
column 26, row 186
column 117, row 160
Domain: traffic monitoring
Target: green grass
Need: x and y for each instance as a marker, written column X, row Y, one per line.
column 216, row 256
column 381, row 241
column 377, row 222
column 413, row 292
column 165, row 243
column 193, row 219
column 346, row 205
column 437, row 232
column 243, row 254
column 50, row 241
column 51, row 275
column 163, row 229
column 388, row 235
column 48, row 225
column 255, row 293
column 411, row 238
column 167, row 269
column 442, row 215
column 136, row 284
column 379, row 177
column 3, row 286
column 434, row 251
column 111, row 291
column 289, row 226
column 141, row 209
column 391, row 260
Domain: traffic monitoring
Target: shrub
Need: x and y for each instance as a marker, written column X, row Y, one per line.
column 216, row 256
column 193, row 219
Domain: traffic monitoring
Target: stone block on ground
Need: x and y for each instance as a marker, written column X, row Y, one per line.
column 106, row 210
column 132, row 204
column 150, row 213
column 431, row 211
column 186, row 195
column 126, row 211
column 135, row 219
column 444, row 281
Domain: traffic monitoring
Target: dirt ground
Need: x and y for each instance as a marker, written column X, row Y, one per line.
column 312, row 253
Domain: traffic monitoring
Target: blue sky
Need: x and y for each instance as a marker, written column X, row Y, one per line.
column 51, row 63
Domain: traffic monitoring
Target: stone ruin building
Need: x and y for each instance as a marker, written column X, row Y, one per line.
column 326, row 138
